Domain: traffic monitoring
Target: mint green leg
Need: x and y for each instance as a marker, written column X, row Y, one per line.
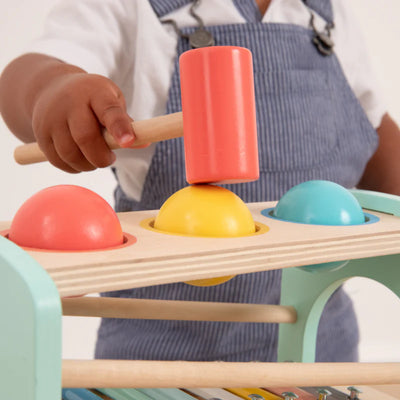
column 30, row 333
column 308, row 292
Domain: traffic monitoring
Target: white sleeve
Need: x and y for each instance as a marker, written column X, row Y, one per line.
column 91, row 34
column 353, row 55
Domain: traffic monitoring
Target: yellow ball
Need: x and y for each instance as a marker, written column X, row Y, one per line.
column 205, row 210
column 208, row 211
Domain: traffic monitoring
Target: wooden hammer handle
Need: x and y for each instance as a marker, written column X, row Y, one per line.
column 147, row 131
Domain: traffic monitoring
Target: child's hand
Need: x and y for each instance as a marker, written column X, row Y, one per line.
column 68, row 116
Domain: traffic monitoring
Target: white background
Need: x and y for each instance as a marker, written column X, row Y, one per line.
column 378, row 309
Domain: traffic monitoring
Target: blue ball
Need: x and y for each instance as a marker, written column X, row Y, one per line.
column 320, row 203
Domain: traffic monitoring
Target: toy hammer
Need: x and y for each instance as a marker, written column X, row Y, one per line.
column 219, row 118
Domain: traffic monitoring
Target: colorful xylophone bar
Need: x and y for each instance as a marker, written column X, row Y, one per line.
column 274, row 393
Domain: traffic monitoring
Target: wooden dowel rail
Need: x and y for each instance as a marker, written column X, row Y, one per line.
column 177, row 310
column 167, row 374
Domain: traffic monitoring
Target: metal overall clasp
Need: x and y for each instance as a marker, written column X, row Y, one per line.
column 200, row 37
column 322, row 39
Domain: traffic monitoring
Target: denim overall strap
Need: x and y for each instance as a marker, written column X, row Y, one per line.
column 310, row 126
column 164, row 7
column 321, row 7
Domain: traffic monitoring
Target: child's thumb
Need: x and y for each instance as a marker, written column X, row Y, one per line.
column 112, row 115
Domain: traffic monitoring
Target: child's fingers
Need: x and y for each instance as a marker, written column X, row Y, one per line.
column 69, row 151
column 86, row 132
column 109, row 108
column 46, row 144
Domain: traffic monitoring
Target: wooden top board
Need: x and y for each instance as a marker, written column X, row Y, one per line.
column 158, row 258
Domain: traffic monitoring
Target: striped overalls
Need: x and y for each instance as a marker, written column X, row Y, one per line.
column 310, row 126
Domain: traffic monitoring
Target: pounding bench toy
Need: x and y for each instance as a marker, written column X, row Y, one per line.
column 36, row 286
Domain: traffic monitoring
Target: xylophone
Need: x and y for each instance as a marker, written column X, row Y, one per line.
column 307, row 393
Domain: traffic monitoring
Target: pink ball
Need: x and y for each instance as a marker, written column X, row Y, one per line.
column 66, row 217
